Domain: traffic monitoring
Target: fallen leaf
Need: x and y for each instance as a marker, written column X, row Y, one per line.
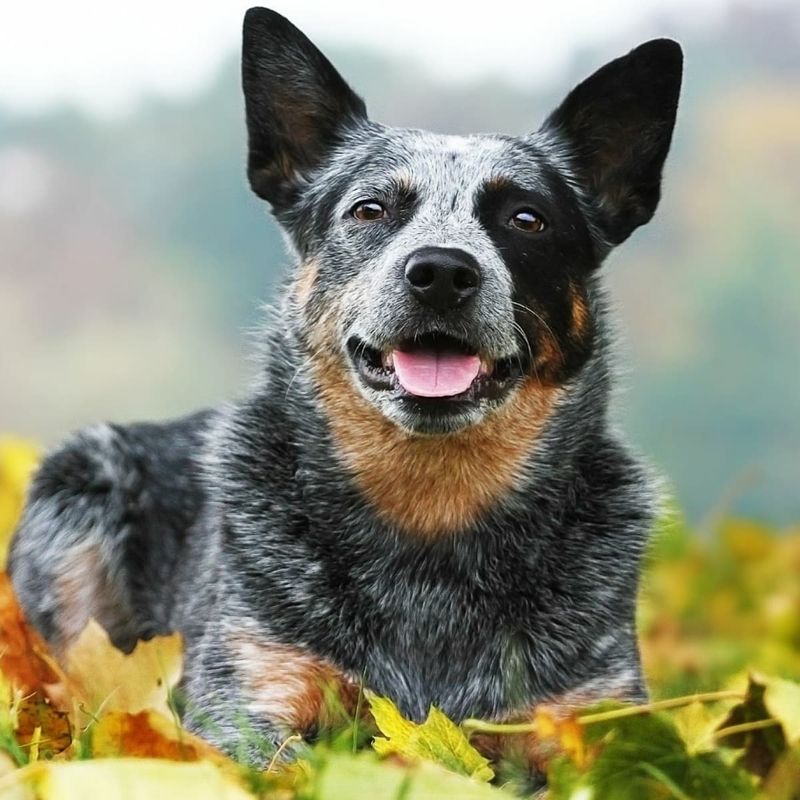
column 353, row 777
column 23, row 653
column 36, row 713
column 126, row 779
column 101, row 678
column 18, row 459
column 148, row 735
column 438, row 739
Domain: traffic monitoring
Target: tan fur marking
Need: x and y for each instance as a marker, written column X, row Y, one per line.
column 84, row 591
column 549, row 356
column 291, row 686
column 431, row 485
column 498, row 183
column 403, row 180
column 580, row 313
column 304, row 282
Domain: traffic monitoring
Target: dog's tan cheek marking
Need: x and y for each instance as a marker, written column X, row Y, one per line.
column 431, row 485
column 289, row 686
column 304, row 282
column 581, row 316
column 549, row 356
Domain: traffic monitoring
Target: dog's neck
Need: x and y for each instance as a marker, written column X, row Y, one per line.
column 431, row 485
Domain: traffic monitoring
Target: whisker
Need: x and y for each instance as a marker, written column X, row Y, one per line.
column 541, row 319
column 525, row 339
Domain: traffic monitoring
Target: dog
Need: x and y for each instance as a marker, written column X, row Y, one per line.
column 422, row 492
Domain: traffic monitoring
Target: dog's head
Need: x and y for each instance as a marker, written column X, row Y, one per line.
column 440, row 274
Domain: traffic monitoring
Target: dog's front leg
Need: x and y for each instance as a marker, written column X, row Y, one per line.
column 249, row 693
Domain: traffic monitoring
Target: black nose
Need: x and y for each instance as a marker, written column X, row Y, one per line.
column 442, row 277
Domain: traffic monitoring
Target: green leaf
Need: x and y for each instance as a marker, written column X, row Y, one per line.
column 697, row 724
column 645, row 757
column 438, row 739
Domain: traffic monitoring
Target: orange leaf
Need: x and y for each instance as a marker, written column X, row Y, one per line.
column 148, row 735
column 563, row 730
column 23, row 653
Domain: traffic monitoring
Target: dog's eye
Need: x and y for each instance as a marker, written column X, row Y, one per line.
column 528, row 221
column 368, row 211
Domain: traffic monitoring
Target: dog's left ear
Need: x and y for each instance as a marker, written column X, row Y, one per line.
column 297, row 105
column 617, row 126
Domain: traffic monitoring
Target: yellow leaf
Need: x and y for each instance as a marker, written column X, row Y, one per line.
column 697, row 723
column 18, row 459
column 438, row 739
column 782, row 699
column 127, row 779
column 101, row 678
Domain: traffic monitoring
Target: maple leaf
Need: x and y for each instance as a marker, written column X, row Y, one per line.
column 438, row 739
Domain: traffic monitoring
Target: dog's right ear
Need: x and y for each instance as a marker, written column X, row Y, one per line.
column 617, row 126
column 297, row 105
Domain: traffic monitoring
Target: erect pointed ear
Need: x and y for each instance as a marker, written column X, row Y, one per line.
column 297, row 105
column 617, row 126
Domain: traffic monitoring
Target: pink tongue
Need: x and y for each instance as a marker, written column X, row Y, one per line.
column 430, row 374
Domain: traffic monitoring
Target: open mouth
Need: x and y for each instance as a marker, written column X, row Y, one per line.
column 433, row 366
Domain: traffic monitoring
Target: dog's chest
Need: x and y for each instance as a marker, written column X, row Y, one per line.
column 427, row 636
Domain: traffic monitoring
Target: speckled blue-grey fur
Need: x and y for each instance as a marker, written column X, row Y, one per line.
column 247, row 521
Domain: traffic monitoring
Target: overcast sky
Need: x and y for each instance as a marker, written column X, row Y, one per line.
column 102, row 54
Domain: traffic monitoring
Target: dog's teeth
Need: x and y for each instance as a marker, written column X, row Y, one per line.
column 388, row 361
column 486, row 368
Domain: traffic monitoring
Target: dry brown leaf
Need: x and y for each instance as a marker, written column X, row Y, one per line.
column 36, row 713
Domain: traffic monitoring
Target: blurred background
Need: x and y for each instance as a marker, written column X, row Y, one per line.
column 134, row 262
